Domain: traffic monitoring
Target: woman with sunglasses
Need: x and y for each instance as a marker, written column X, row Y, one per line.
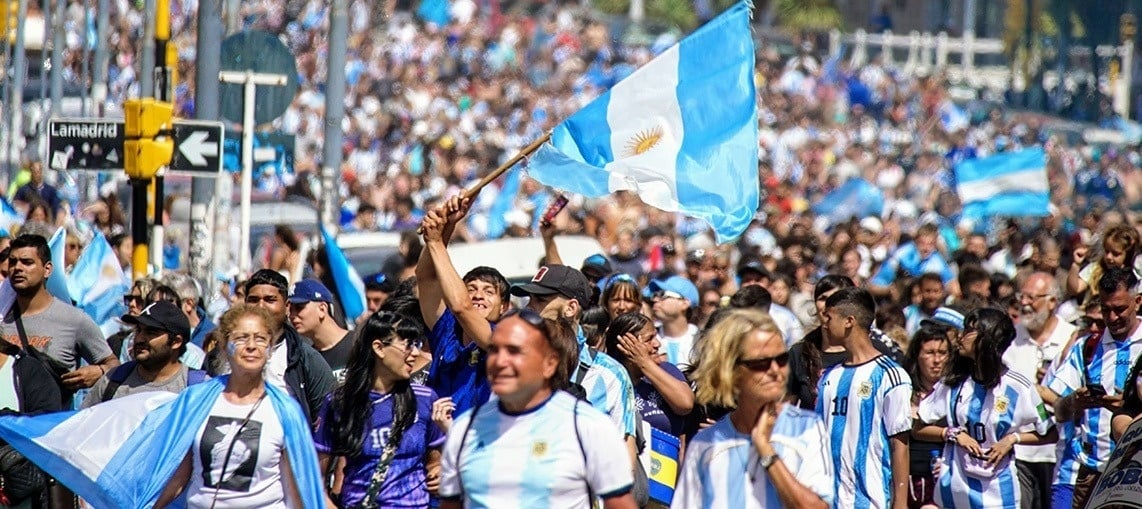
column 380, row 423
column 252, row 446
column 661, row 392
column 981, row 410
column 765, row 453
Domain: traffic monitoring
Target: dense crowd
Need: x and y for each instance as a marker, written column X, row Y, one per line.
column 905, row 357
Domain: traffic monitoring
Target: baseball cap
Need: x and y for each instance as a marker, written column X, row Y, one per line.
column 596, row 266
column 380, row 282
column 946, row 317
column 309, row 290
column 553, row 279
column 755, row 267
column 163, row 316
column 676, row 284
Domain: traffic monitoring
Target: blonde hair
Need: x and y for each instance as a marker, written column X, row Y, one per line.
column 720, row 350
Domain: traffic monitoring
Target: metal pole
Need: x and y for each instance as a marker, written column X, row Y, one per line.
column 58, row 15
column 233, row 19
column 247, row 173
column 102, row 56
column 147, row 52
column 16, row 97
column 334, row 111
column 208, row 63
column 85, row 67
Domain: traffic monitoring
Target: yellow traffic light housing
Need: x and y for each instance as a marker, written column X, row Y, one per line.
column 148, row 146
column 10, row 19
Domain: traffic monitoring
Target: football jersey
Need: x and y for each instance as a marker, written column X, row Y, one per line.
column 988, row 415
column 863, row 406
column 722, row 468
column 1109, row 366
column 535, row 458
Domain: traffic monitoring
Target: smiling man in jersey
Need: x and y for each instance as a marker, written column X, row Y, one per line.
column 1110, row 359
column 866, row 404
column 459, row 312
column 534, row 445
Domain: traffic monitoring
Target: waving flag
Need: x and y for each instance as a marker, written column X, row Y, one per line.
column 855, row 198
column 122, row 453
column 9, row 218
column 57, row 282
column 98, row 282
column 1011, row 184
column 681, row 132
column 350, row 287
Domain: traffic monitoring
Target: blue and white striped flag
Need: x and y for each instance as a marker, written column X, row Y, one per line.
column 9, row 218
column 122, row 453
column 856, row 198
column 57, row 281
column 1012, row 184
column 681, row 132
column 98, row 283
column 350, row 287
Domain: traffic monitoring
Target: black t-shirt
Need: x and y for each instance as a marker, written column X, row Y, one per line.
column 338, row 357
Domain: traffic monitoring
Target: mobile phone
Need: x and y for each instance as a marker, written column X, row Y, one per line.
column 1096, row 390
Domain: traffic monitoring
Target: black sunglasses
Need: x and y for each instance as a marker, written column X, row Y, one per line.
column 132, row 299
column 762, row 364
column 526, row 314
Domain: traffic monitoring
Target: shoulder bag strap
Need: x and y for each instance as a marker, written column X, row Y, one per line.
column 20, row 327
column 382, row 470
column 460, row 450
column 583, row 451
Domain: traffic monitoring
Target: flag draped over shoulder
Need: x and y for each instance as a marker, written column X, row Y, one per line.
column 57, row 281
column 350, row 287
column 681, row 132
column 1010, row 185
column 122, row 453
column 98, row 284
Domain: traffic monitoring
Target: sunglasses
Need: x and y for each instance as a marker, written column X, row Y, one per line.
column 762, row 364
column 526, row 314
column 667, row 294
column 379, row 279
column 132, row 299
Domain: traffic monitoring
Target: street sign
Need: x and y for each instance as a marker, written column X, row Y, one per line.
column 259, row 52
column 198, row 148
column 85, row 144
column 273, row 153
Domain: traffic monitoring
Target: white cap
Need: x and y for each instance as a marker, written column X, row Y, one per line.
column 872, row 224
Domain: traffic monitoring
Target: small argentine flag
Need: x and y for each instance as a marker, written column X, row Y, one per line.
column 681, row 132
column 1009, row 185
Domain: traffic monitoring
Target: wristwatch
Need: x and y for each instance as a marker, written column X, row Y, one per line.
column 766, row 461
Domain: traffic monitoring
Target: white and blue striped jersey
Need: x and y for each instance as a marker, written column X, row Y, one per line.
column 1066, row 449
column 722, row 468
column 863, row 406
column 1108, row 366
column 608, row 386
column 533, row 459
column 987, row 415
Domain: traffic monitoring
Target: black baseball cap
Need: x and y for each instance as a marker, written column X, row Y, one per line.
column 163, row 316
column 755, row 267
column 557, row 279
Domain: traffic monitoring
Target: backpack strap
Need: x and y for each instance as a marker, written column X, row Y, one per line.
column 581, row 373
column 115, row 379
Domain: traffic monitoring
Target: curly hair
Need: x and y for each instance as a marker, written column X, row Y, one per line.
column 720, row 350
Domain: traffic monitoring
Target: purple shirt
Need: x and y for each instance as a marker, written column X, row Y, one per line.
column 655, row 410
column 404, row 483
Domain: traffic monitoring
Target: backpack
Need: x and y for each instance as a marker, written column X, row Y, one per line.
column 120, row 374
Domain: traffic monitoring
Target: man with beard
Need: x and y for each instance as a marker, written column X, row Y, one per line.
column 161, row 332
column 1040, row 337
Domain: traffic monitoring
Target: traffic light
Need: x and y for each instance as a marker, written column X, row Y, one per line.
column 148, row 146
column 10, row 19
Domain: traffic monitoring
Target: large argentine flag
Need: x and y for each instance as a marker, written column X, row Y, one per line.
column 1011, row 184
column 98, row 283
column 681, row 132
column 121, row 453
column 350, row 287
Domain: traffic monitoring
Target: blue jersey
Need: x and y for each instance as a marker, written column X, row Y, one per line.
column 497, row 459
column 906, row 261
column 988, row 415
column 1109, row 366
column 404, row 484
column 863, row 406
column 457, row 371
column 722, row 469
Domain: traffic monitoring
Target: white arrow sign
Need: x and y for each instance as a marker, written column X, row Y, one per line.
column 195, row 149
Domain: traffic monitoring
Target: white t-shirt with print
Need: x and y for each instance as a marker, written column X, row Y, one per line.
column 252, row 476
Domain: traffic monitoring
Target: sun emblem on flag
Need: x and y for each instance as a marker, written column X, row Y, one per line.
column 644, row 141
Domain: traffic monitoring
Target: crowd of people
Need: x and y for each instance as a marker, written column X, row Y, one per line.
column 910, row 357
